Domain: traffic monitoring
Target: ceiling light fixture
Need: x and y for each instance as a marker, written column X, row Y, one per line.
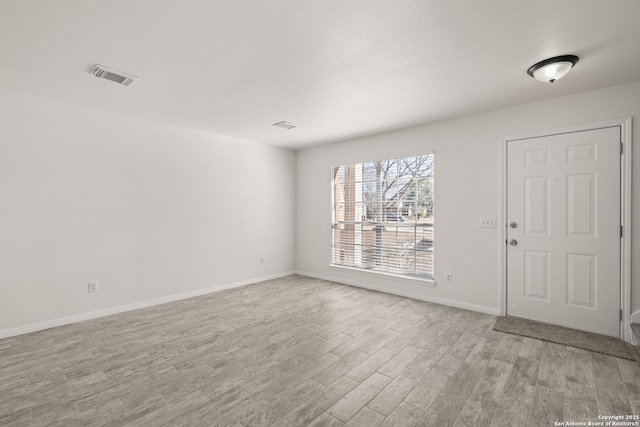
column 552, row 69
column 285, row 125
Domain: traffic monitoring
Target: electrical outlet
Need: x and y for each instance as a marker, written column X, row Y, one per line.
column 488, row 222
column 93, row 286
column 449, row 277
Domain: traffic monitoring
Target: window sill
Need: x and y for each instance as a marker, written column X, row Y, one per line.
column 414, row 280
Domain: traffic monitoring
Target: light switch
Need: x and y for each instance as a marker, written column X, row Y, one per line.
column 488, row 222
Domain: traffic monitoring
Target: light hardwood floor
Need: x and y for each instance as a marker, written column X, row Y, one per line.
column 303, row 352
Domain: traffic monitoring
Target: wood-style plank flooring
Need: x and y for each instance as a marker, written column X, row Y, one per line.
column 303, row 352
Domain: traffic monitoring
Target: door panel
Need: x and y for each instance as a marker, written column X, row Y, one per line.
column 580, row 280
column 581, row 198
column 536, row 200
column 536, row 275
column 563, row 192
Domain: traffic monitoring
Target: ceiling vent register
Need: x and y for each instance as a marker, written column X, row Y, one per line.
column 284, row 125
column 113, row 75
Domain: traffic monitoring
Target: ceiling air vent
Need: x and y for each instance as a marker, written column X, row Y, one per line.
column 285, row 125
column 113, row 75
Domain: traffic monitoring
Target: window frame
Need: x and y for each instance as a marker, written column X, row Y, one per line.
column 388, row 259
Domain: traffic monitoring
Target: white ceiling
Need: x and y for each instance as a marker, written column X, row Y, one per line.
column 336, row 68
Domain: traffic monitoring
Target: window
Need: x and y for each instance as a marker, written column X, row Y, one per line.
column 382, row 216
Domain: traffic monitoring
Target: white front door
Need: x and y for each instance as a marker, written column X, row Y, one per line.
column 563, row 229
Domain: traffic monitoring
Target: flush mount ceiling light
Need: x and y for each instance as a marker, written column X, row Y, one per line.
column 119, row 77
column 552, row 69
column 285, row 125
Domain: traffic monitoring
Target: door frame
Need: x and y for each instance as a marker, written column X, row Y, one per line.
column 625, row 211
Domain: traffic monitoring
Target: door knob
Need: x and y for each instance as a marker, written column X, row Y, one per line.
column 513, row 242
column 513, row 224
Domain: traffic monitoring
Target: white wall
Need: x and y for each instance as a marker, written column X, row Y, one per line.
column 153, row 211
column 467, row 186
column 148, row 210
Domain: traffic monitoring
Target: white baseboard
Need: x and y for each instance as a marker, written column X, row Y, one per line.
column 389, row 290
column 135, row 306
